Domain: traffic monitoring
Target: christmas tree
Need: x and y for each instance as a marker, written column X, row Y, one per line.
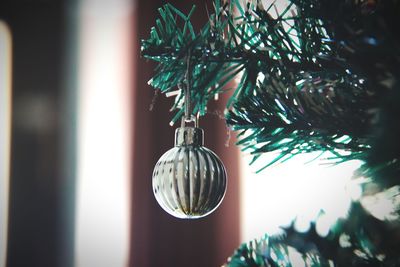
column 313, row 76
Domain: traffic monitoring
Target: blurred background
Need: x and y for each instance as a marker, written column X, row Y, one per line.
column 81, row 131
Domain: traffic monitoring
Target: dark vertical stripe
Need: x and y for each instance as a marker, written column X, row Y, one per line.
column 162, row 178
column 173, row 182
column 176, row 176
column 220, row 183
column 202, row 181
column 211, row 175
column 196, row 179
column 186, row 180
column 157, row 186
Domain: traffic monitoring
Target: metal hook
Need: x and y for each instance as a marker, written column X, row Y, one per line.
column 192, row 118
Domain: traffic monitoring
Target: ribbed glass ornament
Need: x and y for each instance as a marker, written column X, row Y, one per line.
column 189, row 180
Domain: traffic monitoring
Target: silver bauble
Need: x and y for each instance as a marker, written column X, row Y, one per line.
column 189, row 180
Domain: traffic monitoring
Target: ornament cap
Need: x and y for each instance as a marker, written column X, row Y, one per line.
column 189, row 136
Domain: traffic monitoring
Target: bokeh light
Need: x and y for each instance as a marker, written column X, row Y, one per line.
column 5, row 134
column 299, row 191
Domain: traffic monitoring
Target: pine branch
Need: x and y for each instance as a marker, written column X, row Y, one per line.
column 360, row 241
column 315, row 76
column 314, row 95
column 316, row 114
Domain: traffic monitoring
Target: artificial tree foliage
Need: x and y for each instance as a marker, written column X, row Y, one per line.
column 312, row 76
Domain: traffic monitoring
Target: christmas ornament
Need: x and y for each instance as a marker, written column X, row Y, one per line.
column 189, row 180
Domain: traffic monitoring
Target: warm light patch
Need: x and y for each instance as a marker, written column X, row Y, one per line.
column 5, row 134
column 102, row 219
column 383, row 205
column 294, row 190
